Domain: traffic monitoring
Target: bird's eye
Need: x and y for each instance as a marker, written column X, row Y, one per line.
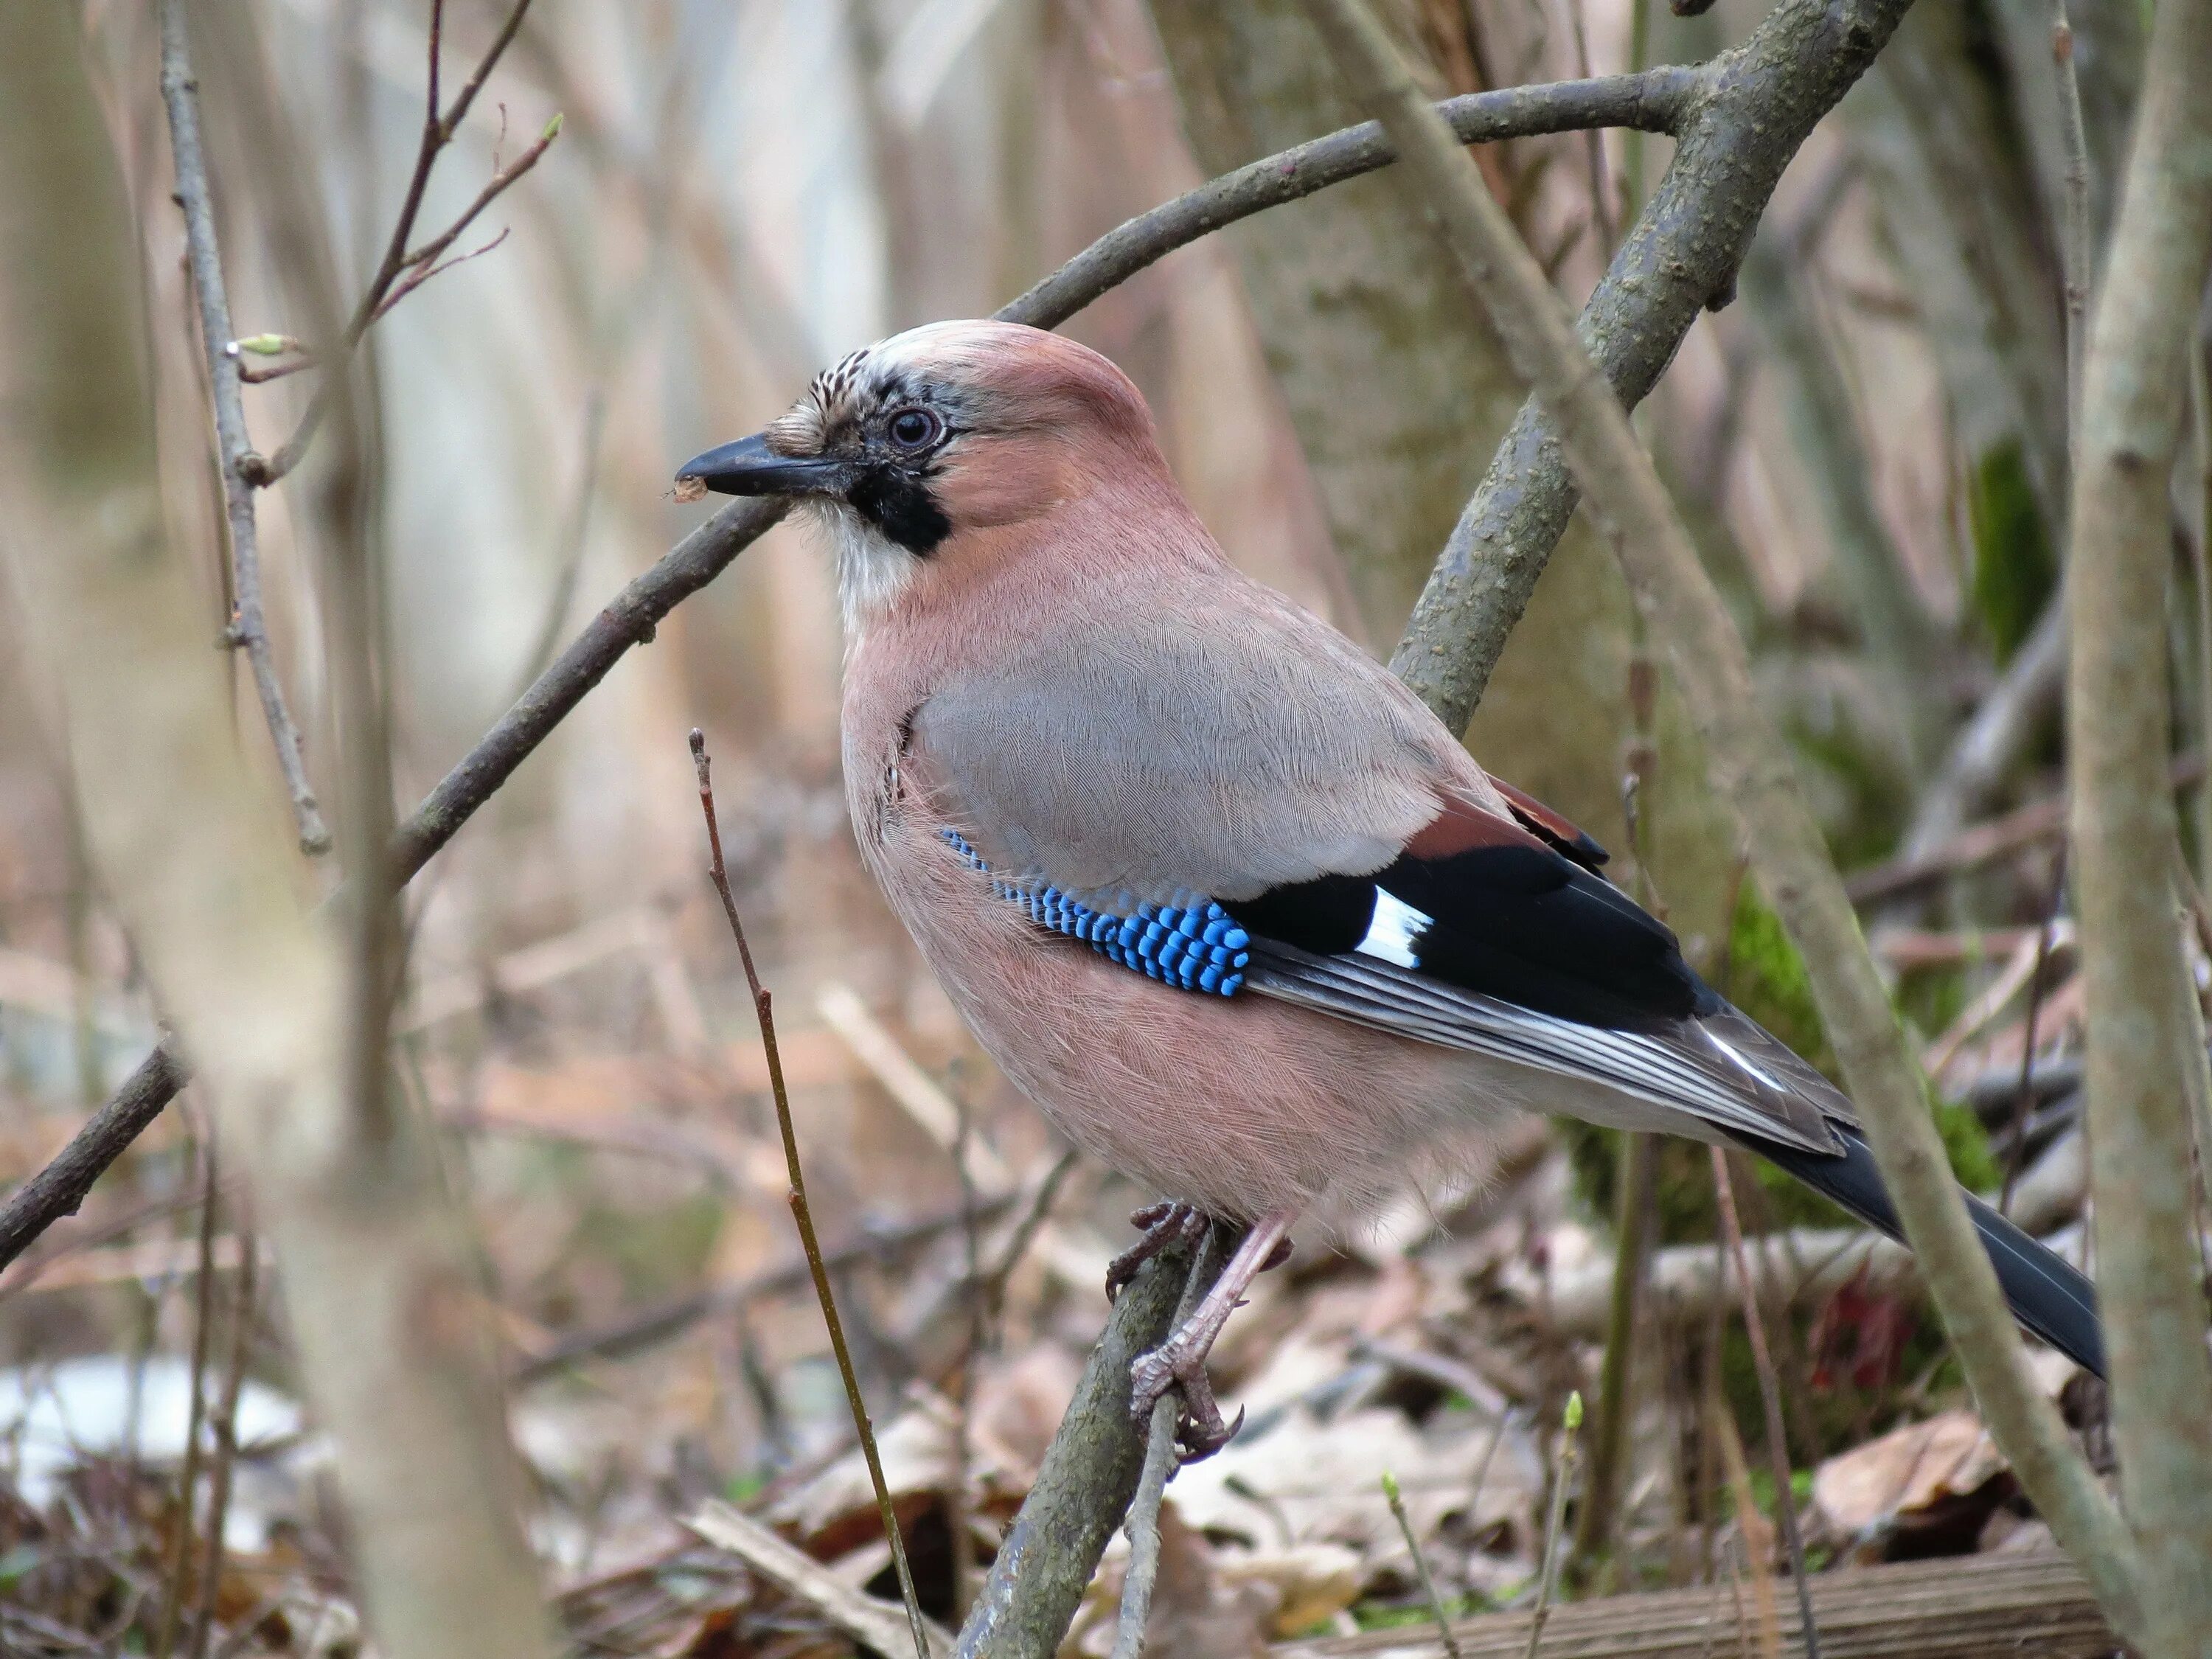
column 913, row 429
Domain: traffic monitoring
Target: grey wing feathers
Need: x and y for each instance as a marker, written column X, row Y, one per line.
column 1720, row 1070
column 1182, row 753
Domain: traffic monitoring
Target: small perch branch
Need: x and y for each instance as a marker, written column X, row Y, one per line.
column 249, row 630
column 1159, row 1467
column 799, row 1213
column 1548, row 1570
column 1751, row 765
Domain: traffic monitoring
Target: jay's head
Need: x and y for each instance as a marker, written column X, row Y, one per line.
column 935, row 447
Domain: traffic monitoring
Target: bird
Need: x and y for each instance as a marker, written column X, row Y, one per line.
column 1207, row 881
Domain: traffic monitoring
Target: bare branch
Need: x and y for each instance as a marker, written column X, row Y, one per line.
column 401, row 272
column 1653, row 101
column 1751, row 765
column 249, row 628
column 57, row 1190
column 2125, row 831
column 2074, row 232
column 799, row 1213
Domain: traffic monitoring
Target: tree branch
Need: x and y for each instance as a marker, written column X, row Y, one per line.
column 1652, row 101
column 58, row 1189
column 2125, row 831
column 248, row 630
column 1752, row 765
column 1755, row 107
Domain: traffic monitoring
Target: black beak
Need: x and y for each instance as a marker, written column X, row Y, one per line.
column 750, row 467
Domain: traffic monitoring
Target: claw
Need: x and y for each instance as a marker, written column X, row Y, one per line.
column 1162, row 1225
column 1200, row 1431
column 1180, row 1361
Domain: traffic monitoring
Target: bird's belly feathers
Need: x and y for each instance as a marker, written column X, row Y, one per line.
column 1239, row 1104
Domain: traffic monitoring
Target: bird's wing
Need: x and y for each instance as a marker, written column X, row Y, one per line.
column 1263, row 765
column 1184, row 750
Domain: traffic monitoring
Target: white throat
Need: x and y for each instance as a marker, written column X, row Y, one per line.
column 872, row 569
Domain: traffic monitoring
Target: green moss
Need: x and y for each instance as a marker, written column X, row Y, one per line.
column 1765, row 977
column 2015, row 569
column 1864, row 808
column 1398, row 1615
column 1968, row 1145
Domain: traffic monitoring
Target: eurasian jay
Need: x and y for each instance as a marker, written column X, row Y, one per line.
column 1207, row 882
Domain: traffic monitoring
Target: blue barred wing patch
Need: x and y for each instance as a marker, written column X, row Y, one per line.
column 1197, row 947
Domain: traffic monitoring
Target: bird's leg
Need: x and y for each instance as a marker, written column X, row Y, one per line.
column 1180, row 1360
column 1162, row 1225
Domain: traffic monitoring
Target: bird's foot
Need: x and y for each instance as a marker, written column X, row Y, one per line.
column 1180, row 1362
column 1161, row 1225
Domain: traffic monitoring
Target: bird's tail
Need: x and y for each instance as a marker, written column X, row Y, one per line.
column 2048, row 1295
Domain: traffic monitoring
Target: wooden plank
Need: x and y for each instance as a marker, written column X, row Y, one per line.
column 1985, row 1607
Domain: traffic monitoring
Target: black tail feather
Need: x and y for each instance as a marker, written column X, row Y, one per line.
column 2048, row 1295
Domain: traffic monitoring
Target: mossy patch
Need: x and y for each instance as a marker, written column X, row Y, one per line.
column 2015, row 570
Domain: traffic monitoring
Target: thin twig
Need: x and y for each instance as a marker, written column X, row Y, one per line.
column 1563, row 1471
column 957, row 1514
column 225, row 1423
column 1026, row 1231
column 2074, row 242
column 401, row 271
column 188, row 1477
column 1422, row 1576
column 1143, row 1523
column 2199, row 549
column 2024, row 1097
column 1654, row 101
column 1770, row 1399
column 1601, row 204
column 762, row 1011
column 241, row 465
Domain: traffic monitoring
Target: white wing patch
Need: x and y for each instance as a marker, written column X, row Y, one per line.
column 1390, row 934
